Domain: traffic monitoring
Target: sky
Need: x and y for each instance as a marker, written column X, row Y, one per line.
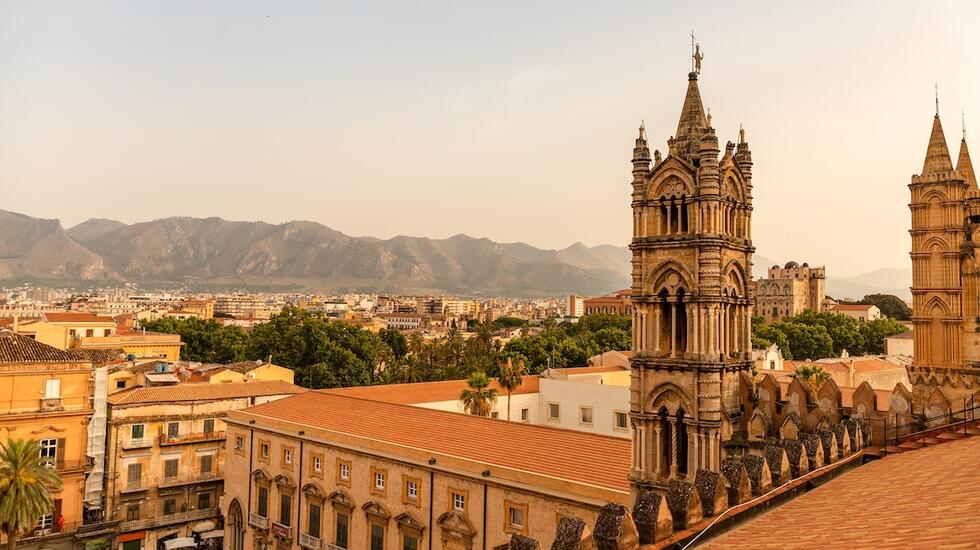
column 510, row 120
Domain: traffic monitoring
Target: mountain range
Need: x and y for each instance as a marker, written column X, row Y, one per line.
column 216, row 254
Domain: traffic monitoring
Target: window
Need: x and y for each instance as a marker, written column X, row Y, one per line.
column 170, row 507
column 107, row 332
column 343, row 530
column 137, row 431
column 377, row 537
column 206, row 463
column 343, row 472
column 285, row 508
column 494, row 414
column 554, row 411
column 170, row 466
column 209, row 426
column 49, row 449
column 134, row 473
column 72, row 333
column 585, row 415
column 313, row 520
column 412, row 490
column 525, row 414
column 516, row 517
column 263, row 504
column 89, row 332
column 410, row 542
column 52, row 388
column 379, row 480
column 621, row 420
column 173, row 429
column 239, row 442
column 287, row 455
column 459, row 501
column 317, row 464
column 264, row 450
column 132, row 512
column 120, row 384
column 203, row 501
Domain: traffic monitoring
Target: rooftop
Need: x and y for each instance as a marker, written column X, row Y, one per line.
column 16, row 348
column 852, row 307
column 203, row 392
column 73, row 317
column 426, row 392
column 573, row 456
column 922, row 499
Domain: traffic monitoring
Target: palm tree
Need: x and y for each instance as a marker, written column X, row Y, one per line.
column 511, row 377
column 26, row 482
column 814, row 376
column 478, row 399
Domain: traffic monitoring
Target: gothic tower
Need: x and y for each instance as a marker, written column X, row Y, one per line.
column 945, row 232
column 692, row 260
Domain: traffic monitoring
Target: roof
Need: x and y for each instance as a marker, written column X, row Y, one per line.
column 596, row 460
column 17, row 348
column 74, row 317
column 426, row 392
column 162, row 377
column 203, row 392
column 937, row 155
column 921, row 499
column 851, row 307
column 860, row 364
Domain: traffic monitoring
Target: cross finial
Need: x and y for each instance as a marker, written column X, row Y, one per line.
column 692, row 50
column 937, row 99
column 963, row 118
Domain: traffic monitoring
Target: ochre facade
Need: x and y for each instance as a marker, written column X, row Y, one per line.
column 691, row 298
column 945, row 205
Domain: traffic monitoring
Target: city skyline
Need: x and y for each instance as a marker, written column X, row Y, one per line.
column 357, row 118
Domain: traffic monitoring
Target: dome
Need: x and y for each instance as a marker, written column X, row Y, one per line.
column 791, row 265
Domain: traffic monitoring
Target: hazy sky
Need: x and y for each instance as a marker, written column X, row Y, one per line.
column 509, row 120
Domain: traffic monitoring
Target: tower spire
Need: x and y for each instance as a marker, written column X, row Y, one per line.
column 937, row 155
column 964, row 166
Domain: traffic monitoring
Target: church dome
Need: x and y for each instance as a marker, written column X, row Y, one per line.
column 791, row 265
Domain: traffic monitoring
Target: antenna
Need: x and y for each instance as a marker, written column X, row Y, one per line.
column 963, row 118
column 937, row 99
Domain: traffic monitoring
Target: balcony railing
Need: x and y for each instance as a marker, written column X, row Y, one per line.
column 69, row 465
column 255, row 520
column 179, row 517
column 190, row 438
column 281, row 531
column 132, row 486
column 309, row 541
column 141, row 443
column 51, row 404
column 335, row 547
column 187, row 479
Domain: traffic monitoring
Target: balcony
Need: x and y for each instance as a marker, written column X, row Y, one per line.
column 134, row 486
column 309, row 541
column 257, row 521
column 190, row 438
column 143, row 443
column 281, row 531
column 334, row 547
column 189, row 479
column 51, row 404
column 70, row 465
column 160, row 521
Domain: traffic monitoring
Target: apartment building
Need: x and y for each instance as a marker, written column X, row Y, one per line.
column 325, row 471
column 166, row 455
column 46, row 394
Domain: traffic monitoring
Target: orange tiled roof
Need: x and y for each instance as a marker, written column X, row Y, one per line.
column 16, row 348
column 426, row 392
column 73, row 317
column 592, row 370
column 597, row 460
column 203, row 392
column 921, row 499
column 851, row 307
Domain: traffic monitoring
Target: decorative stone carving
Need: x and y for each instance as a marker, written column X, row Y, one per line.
column 711, row 491
column 779, row 468
column 652, row 517
column 571, row 534
column 520, row 542
column 759, row 474
column 814, row 449
column 796, row 456
column 684, row 503
column 829, row 442
column 736, row 482
column 615, row 530
column 843, row 440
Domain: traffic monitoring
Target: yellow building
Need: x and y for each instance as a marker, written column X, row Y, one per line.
column 62, row 329
column 46, row 395
column 165, row 457
column 139, row 345
column 244, row 371
column 320, row 470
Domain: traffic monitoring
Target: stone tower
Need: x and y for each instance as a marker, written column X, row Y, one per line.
column 692, row 260
column 945, row 234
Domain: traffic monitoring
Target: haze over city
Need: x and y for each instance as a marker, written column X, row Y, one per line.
column 511, row 121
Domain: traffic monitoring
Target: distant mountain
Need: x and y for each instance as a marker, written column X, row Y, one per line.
column 213, row 252
column 92, row 229
column 889, row 280
column 39, row 249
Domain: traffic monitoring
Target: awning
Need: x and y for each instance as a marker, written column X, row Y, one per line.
column 185, row 542
column 216, row 534
column 202, row 526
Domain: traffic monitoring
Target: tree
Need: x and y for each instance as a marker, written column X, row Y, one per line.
column 478, row 398
column 891, row 306
column 876, row 331
column 806, row 341
column 206, row 341
column 395, row 340
column 26, row 483
column 813, row 375
column 511, row 377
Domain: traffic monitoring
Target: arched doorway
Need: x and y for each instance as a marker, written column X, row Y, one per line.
column 236, row 526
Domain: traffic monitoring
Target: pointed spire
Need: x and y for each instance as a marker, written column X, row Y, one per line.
column 964, row 166
column 937, row 156
column 641, row 153
column 692, row 122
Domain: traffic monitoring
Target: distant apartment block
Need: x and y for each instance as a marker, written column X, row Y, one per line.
column 790, row 290
column 617, row 303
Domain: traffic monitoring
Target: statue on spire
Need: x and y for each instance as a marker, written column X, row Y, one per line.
column 698, row 56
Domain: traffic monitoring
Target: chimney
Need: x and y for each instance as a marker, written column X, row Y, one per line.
column 16, row 322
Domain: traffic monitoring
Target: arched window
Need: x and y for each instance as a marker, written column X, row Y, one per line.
column 235, row 521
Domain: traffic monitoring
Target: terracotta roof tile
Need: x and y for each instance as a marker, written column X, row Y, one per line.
column 426, row 392
column 204, row 392
column 580, row 457
column 71, row 317
column 16, row 348
column 851, row 307
column 921, row 499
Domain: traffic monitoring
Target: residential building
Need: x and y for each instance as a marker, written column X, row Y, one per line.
column 166, row 457
column 136, row 344
column 320, row 470
column 575, row 307
column 49, row 395
column 790, row 290
column 63, row 329
column 404, row 321
column 618, row 304
column 900, row 344
column 858, row 312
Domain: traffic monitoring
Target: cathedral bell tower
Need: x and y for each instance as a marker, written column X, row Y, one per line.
column 692, row 305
